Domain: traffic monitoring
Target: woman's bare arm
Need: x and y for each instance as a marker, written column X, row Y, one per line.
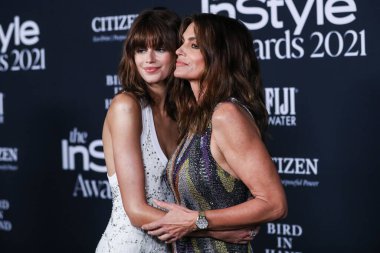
column 124, row 124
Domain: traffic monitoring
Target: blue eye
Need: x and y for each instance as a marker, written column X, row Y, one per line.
column 140, row 50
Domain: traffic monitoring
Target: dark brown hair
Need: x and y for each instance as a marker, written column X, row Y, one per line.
column 231, row 70
column 157, row 28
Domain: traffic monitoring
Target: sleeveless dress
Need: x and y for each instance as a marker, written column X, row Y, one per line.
column 199, row 183
column 120, row 235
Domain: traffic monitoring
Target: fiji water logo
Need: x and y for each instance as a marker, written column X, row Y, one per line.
column 281, row 105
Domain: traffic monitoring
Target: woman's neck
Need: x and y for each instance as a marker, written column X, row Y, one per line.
column 195, row 87
column 158, row 93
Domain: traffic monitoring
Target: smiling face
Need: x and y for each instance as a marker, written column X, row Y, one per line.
column 154, row 65
column 190, row 63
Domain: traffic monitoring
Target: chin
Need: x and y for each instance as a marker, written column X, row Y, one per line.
column 179, row 75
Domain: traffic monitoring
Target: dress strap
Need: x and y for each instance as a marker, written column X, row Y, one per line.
column 237, row 102
column 144, row 120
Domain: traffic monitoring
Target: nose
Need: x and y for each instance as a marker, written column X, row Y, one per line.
column 150, row 56
column 179, row 51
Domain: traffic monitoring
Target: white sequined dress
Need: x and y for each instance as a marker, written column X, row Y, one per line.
column 120, row 235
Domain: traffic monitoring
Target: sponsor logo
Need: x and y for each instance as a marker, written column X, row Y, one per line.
column 113, row 82
column 1, row 108
column 287, row 20
column 111, row 28
column 77, row 154
column 8, row 159
column 281, row 105
column 19, row 51
column 90, row 188
column 5, row 225
column 306, row 170
column 285, row 237
column 86, row 156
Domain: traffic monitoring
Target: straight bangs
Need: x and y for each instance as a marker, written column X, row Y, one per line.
column 152, row 37
column 155, row 29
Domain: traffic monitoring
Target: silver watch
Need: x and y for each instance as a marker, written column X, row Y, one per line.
column 201, row 222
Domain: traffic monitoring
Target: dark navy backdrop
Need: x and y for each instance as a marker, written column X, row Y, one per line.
column 58, row 65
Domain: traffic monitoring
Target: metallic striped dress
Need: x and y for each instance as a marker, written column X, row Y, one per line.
column 199, row 183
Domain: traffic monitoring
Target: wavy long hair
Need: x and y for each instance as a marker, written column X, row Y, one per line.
column 231, row 70
column 157, row 28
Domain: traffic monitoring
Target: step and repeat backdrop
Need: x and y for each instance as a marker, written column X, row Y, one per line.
column 321, row 72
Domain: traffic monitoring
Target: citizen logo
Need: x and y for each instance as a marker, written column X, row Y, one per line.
column 296, row 166
column 112, row 23
column 8, row 154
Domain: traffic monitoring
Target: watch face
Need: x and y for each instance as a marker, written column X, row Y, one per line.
column 202, row 223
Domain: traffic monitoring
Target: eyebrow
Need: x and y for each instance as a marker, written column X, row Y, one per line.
column 189, row 39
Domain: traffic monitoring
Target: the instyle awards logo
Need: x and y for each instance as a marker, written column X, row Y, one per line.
column 1, row 108
column 8, row 158
column 113, row 82
column 111, row 28
column 19, row 49
column 5, row 225
column 281, row 105
column 84, row 157
column 309, row 28
column 298, row 171
column 286, row 236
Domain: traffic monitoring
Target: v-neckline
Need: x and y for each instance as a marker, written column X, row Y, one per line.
column 156, row 143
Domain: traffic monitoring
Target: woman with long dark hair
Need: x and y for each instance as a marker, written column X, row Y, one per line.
column 221, row 168
column 140, row 132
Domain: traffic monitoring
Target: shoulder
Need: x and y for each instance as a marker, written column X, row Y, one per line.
column 125, row 108
column 123, row 116
column 231, row 117
column 124, row 102
column 226, row 113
